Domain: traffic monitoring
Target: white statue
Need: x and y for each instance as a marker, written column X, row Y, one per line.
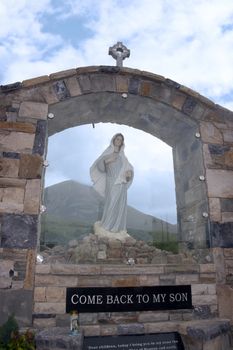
column 112, row 174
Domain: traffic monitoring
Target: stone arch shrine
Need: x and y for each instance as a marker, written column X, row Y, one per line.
column 201, row 136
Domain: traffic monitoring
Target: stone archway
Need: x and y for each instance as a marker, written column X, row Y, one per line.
column 199, row 131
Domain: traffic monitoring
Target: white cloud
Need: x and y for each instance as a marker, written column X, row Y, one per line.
column 187, row 41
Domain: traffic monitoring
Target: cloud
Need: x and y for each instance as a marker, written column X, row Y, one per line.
column 187, row 41
column 152, row 190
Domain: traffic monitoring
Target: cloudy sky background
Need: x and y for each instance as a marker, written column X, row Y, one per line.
column 188, row 41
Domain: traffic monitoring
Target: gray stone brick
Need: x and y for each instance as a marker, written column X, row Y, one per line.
column 19, row 231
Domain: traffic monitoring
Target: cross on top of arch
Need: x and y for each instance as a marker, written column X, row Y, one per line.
column 119, row 52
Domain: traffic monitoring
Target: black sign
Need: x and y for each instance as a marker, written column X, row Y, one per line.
column 158, row 341
column 128, row 298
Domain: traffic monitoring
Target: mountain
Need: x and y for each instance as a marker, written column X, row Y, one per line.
column 72, row 208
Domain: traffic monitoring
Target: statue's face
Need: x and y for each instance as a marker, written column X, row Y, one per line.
column 118, row 141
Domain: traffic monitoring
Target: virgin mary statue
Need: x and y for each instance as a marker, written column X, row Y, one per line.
column 112, row 174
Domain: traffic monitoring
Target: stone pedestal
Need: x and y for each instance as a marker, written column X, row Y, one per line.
column 58, row 338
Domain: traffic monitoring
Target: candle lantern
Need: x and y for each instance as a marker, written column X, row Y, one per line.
column 74, row 322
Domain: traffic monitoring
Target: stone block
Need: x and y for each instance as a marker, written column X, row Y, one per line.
column 70, row 269
column 187, row 279
column 63, row 320
column 210, row 134
column 19, row 231
column 103, row 82
column 178, row 100
column 226, row 204
column 109, row 329
column 61, row 90
column 59, row 281
column 55, row 294
column 148, row 280
column 62, row 74
column 167, row 279
column 207, row 268
column 16, row 142
column 39, row 294
column 227, row 217
column 145, row 88
column 85, row 83
column 40, row 137
column 35, row 110
column 43, row 268
column 207, row 156
column 228, row 135
column 13, row 195
column 132, row 328
column 35, row 81
column 92, row 318
column 6, row 266
column 127, row 281
column 48, row 94
column 189, row 105
column 10, row 182
column 30, row 166
column 220, row 183
column 134, row 84
column 73, row 86
column 44, row 323
column 225, row 301
column 18, row 126
column 156, row 316
column 30, row 269
column 222, row 234
column 9, row 167
column 199, row 289
column 17, row 302
column 5, row 282
column 50, row 308
column 207, row 278
column 215, row 209
column 90, row 330
column 204, row 299
column 32, row 197
column 58, row 338
column 122, row 83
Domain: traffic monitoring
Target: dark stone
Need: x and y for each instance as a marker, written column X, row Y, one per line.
column 173, row 83
column 18, row 302
column 19, row 231
column 109, row 69
column 134, row 86
column 12, row 155
column 209, row 330
column 131, row 328
column 34, row 316
column 10, row 87
column 84, row 82
column 226, row 204
column 189, row 105
column 39, row 143
column 58, row 338
column 218, row 149
column 222, row 234
column 61, row 90
column 12, row 109
column 202, row 312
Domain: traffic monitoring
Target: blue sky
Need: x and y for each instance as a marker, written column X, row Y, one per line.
column 188, row 41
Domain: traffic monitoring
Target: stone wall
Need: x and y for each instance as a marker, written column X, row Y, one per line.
column 53, row 279
column 200, row 132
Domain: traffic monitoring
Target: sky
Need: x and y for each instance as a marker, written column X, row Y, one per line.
column 189, row 41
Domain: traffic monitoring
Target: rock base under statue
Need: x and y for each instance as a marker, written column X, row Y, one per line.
column 101, row 232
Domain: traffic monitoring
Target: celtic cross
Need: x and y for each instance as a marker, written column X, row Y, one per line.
column 119, row 52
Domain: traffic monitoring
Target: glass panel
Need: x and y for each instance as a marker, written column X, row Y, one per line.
column 68, row 230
